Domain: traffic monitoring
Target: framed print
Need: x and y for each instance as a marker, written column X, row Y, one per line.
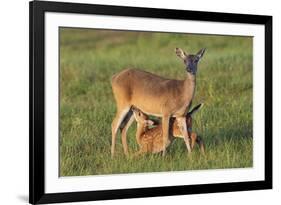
column 140, row 102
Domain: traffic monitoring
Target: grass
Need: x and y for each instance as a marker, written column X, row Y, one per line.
column 88, row 59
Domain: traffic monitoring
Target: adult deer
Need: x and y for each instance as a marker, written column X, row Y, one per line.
column 154, row 95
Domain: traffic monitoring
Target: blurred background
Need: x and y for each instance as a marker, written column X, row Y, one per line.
column 88, row 59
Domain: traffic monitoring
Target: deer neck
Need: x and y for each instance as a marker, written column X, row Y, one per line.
column 189, row 85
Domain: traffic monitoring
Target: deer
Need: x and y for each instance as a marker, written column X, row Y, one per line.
column 151, row 140
column 154, row 95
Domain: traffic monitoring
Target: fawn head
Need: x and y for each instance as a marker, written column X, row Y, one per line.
column 142, row 118
column 190, row 60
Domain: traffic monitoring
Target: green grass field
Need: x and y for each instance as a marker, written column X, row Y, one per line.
column 88, row 59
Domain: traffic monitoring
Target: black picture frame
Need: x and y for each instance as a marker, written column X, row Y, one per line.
column 37, row 10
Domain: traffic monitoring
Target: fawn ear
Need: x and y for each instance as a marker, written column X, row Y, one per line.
column 180, row 53
column 195, row 109
column 136, row 112
column 201, row 53
column 149, row 122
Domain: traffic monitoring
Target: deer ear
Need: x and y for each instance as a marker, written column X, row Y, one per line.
column 195, row 109
column 201, row 53
column 180, row 53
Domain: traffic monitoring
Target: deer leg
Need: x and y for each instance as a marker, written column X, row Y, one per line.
column 165, row 131
column 182, row 124
column 201, row 144
column 121, row 114
column 124, row 132
column 193, row 136
column 187, row 143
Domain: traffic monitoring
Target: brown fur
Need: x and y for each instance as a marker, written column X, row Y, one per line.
column 151, row 140
column 154, row 95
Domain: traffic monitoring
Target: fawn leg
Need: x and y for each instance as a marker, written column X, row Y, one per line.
column 193, row 136
column 201, row 144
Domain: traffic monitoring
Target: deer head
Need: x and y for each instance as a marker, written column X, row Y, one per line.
column 141, row 118
column 190, row 60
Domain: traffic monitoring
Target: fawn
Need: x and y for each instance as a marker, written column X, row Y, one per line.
column 151, row 140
